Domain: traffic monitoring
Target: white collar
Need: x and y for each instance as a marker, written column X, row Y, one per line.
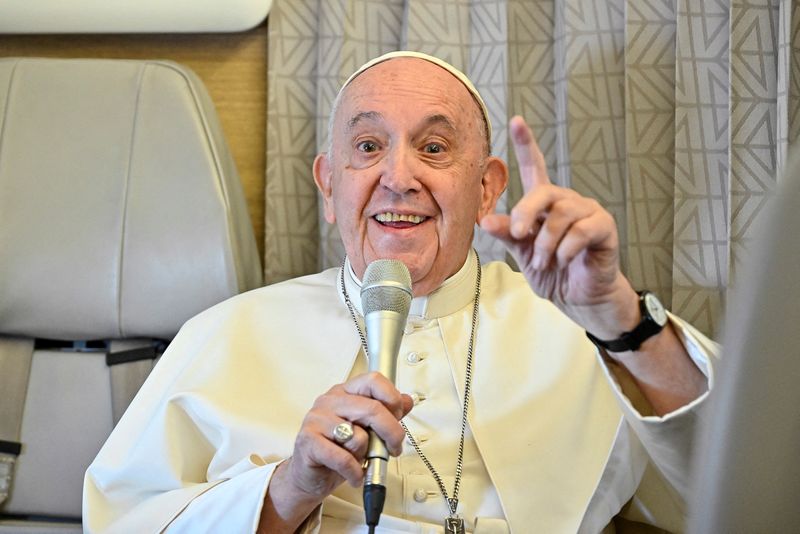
column 454, row 293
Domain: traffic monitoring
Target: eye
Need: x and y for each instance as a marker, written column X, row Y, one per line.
column 433, row 148
column 367, row 146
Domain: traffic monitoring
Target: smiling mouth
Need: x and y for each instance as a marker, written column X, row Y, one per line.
column 407, row 220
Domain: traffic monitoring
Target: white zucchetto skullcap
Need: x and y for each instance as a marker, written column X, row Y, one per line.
column 436, row 61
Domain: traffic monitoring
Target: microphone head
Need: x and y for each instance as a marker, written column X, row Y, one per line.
column 386, row 286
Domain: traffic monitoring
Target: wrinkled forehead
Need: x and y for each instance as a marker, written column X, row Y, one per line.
column 460, row 76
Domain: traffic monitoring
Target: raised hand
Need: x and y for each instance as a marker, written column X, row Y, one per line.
column 566, row 245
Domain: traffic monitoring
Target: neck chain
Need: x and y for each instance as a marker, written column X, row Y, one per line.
column 453, row 523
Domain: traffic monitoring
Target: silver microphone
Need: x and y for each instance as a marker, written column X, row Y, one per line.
column 385, row 300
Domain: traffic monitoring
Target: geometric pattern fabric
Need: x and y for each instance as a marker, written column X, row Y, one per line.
column 676, row 116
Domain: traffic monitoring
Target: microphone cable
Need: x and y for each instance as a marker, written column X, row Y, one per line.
column 374, row 497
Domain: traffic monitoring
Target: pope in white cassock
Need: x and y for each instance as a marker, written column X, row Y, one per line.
column 244, row 425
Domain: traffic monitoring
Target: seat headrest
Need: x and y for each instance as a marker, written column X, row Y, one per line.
column 121, row 212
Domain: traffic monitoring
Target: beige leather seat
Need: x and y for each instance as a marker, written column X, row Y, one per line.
column 747, row 474
column 121, row 216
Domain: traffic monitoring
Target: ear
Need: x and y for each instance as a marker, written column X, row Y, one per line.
column 323, row 177
column 495, row 179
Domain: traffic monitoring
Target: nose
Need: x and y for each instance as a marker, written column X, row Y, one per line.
column 399, row 172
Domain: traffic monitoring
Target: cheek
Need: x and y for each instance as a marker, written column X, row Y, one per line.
column 460, row 213
column 467, row 198
column 350, row 204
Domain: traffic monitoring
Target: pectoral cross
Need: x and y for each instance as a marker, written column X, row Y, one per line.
column 454, row 525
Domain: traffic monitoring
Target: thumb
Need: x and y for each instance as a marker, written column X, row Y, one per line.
column 408, row 404
column 498, row 225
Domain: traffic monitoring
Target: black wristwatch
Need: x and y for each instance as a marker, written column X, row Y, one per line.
column 654, row 319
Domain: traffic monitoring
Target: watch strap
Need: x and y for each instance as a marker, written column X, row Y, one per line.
column 632, row 340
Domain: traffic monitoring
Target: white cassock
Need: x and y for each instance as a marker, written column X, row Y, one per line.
column 554, row 442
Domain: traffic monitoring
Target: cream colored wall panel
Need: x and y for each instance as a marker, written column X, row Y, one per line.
column 130, row 16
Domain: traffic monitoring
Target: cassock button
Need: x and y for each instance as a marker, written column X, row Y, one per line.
column 420, row 495
column 414, row 357
column 417, row 397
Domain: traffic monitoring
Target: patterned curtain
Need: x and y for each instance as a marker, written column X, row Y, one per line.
column 675, row 114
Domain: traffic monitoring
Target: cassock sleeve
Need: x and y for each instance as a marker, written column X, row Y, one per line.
column 667, row 440
column 159, row 467
column 219, row 412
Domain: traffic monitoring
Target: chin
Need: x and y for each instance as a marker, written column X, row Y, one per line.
column 418, row 270
column 425, row 279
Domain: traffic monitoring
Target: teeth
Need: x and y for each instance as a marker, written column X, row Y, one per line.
column 395, row 217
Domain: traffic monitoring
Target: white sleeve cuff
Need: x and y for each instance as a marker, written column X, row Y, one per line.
column 668, row 439
column 703, row 353
column 233, row 504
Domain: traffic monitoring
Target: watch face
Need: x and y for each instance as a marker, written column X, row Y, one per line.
column 655, row 309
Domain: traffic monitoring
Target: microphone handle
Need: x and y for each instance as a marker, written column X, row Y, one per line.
column 384, row 335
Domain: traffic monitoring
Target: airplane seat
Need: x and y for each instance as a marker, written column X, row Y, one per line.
column 121, row 216
column 747, row 458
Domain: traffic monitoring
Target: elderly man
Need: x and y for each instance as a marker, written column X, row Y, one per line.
column 512, row 419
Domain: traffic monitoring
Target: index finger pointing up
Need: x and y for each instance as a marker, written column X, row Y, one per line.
column 532, row 168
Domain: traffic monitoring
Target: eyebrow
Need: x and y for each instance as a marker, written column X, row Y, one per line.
column 440, row 120
column 375, row 116
column 363, row 116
